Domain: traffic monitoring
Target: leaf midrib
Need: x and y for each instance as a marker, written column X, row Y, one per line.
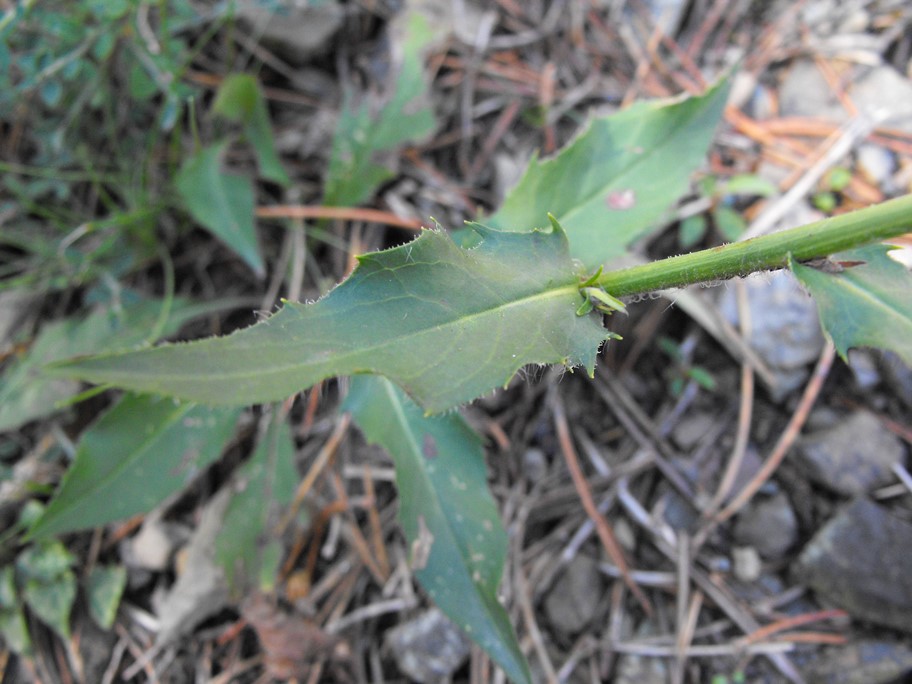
column 877, row 302
column 417, row 454
column 338, row 357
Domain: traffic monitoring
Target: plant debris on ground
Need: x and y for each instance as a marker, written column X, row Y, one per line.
column 727, row 501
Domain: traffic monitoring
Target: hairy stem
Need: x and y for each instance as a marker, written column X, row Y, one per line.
column 769, row 252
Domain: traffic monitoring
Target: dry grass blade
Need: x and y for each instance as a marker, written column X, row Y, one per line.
column 322, row 459
column 709, row 651
column 641, row 428
column 603, row 529
column 745, row 410
column 688, row 610
column 341, row 213
column 838, row 147
column 713, row 587
column 792, row 622
column 355, row 537
column 376, row 528
column 524, row 598
column 788, row 437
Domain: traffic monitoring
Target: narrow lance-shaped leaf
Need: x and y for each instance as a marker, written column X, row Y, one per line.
column 49, row 583
column 354, row 173
column 868, row 304
column 240, row 99
column 13, row 628
column 26, row 393
column 456, row 540
column 14, row 631
column 619, row 178
column 446, row 324
column 137, row 454
column 104, row 588
column 268, row 480
column 221, row 202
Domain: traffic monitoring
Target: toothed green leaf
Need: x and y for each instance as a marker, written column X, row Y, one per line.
column 446, row 324
column 867, row 304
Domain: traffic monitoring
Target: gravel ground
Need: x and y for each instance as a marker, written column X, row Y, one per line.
column 805, row 579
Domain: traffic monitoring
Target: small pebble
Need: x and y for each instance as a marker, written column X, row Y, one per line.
column 860, row 561
column 428, row 648
column 768, row 525
column 572, row 604
column 853, row 457
column 876, row 163
column 865, row 661
column 746, row 563
column 864, row 368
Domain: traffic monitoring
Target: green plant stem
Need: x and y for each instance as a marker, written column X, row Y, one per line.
column 768, row 252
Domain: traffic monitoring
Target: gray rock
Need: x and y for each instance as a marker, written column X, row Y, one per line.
column 863, row 365
column 634, row 669
column 428, row 648
column 744, row 91
column 693, row 428
column 769, row 525
column 805, row 92
column 880, row 92
column 876, row 163
column 535, row 465
column 828, row 17
column 508, row 169
column 853, row 457
column 785, row 328
column 750, row 466
column 569, row 605
column 819, row 15
column 666, row 14
column 861, row 662
column 679, row 513
column 153, row 546
column 898, row 375
column 860, row 561
column 884, row 91
column 295, row 29
column 761, row 589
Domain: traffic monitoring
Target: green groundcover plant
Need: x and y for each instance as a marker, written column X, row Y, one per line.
column 429, row 325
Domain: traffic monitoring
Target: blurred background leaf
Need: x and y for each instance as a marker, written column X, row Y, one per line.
column 240, row 99
column 137, row 454
column 222, row 202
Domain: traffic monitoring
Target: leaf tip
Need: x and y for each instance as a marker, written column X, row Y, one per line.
column 482, row 230
column 555, row 224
